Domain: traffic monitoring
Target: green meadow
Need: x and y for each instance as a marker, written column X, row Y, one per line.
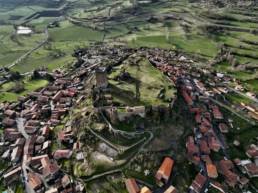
column 6, row 93
column 149, row 81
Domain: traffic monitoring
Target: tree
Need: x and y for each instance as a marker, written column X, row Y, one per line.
column 36, row 75
column 15, row 75
column 19, row 87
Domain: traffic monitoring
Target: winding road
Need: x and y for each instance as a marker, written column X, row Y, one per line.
column 20, row 127
column 120, row 148
column 119, row 169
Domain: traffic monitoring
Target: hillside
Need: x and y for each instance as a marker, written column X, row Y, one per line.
column 102, row 96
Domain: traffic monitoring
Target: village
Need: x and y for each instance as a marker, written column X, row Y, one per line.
column 30, row 125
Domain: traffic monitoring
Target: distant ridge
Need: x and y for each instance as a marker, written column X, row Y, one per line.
column 226, row 3
column 45, row 3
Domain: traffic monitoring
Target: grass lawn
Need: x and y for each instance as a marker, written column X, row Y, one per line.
column 40, row 24
column 140, row 176
column 244, row 36
column 54, row 147
column 10, row 57
column 29, row 86
column 149, row 81
column 240, row 75
column 42, row 58
column 244, row 132
column 70, row 32
column 19, row 189
column 237, row 99
column 252, row 85
column 244, row 24
column 222, row 66
column 47, row 56
column 116, row 31
column 243, row 60
column 13, row 48
column 35, row 84
column 193, row 44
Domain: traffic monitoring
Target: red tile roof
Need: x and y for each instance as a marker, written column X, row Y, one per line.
column 252, row 169
column 198, row 118
column 223, row 128
column 171, row 189
column 217, row 186
column 196, row 110
column 252, row 152
column 62, row 153
column 225, row 167
column 198, row 183
column 145, row 190
column 214, row 144
column 216, row 112
column 34, row 181
column 204, row 147
column 212, row 170
column 191, row 146
column 187, row 98
column 10, row 113
column 165, row 169
column 132, row 186
column 57, row 96
column 8, row 122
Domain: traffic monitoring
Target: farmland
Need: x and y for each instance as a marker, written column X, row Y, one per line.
column 165, row 27
column 7, row 93
column 215, row 48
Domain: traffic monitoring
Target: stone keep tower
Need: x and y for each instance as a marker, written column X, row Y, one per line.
column 101, row 77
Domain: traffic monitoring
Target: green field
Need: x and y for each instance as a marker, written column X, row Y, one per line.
column 181, row 25
column 237, row 99
column 29, row 86
column 14, row 46
column 193, row 44
column 149, row 81
column 252, row 85
column 245, row 133
column 69, row 32
column 187, row 34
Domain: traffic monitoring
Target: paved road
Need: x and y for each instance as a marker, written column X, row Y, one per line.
column 103, row 174
column 20, row 127
column 119, row 169
column 118, row 148
column 24, row 56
